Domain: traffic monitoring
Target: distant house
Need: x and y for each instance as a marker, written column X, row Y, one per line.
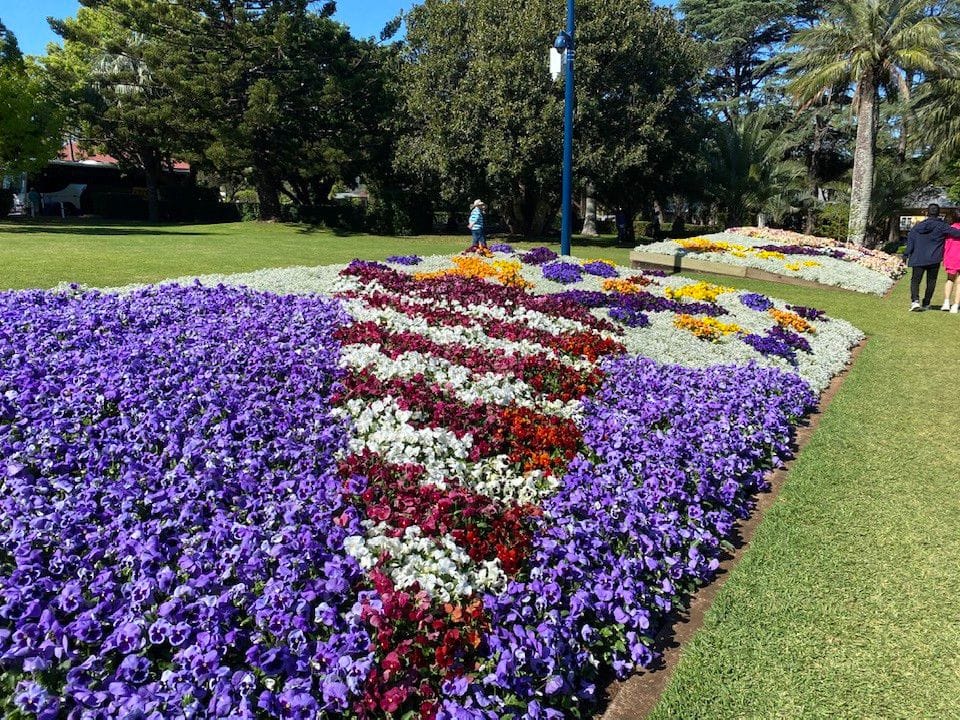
column 82, row 182
column 915, row 207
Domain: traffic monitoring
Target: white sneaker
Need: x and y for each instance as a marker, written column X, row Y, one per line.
column 915, row 307
column 955, row 309
column 946, row 305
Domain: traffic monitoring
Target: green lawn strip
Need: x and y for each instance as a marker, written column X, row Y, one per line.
column 43, row 254
column 847, row 602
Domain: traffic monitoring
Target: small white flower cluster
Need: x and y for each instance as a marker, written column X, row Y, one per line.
column 438, row 565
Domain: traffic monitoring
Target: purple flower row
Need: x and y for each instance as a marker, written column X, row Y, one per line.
column 675, row 458
column 808, row 250
column 171, row 521
column 642, row 301
column 563, row 272
column 405, row 259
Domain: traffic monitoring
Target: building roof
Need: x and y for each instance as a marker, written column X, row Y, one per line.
column 73, row 152
column 920, row 199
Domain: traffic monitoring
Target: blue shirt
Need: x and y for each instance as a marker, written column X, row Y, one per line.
column 476, row 219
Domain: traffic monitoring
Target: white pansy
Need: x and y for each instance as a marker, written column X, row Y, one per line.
column 437, row 564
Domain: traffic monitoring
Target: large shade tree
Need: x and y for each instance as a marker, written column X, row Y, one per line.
column 104, row 79
column 870, row 45
column 272, row 91
column 486, row 119
column 744, row 39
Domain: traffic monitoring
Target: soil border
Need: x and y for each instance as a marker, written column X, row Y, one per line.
column 636, row 697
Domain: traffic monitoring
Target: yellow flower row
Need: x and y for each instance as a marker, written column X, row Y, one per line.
column 741, row 251
column 707, row 328
column 701, row 292
column 699, row 244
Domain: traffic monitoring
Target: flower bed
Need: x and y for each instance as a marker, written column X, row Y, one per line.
column 437, row 495
column 786, row 253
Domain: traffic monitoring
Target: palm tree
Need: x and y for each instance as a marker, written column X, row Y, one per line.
column 871, row 45
column 745, row 165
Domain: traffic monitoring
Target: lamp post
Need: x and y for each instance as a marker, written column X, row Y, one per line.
column 565, row 43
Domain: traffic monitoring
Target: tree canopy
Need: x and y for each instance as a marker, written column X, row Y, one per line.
column 872, row 46
column 487, row 117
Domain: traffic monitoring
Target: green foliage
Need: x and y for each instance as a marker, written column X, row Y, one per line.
column 640, row 75
column 272, row 91
column 30, row 122
column 272, row 95
column 832, row 220
column 741, row 37
column 9, row 47
column 486, row 119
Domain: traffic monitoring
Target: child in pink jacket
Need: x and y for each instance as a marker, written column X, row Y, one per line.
column 951, row 263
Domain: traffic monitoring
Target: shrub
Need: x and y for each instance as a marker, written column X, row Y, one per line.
column 6, row 202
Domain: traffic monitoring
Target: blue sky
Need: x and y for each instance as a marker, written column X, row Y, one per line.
column 28, row 20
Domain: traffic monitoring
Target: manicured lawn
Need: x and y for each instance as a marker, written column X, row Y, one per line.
column 845, row 605
column 108, row 254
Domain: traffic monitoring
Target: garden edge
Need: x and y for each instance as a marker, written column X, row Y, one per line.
column 637, row 696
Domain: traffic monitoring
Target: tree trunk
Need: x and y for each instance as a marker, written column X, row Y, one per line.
column 658, row 209
column 893, row 237
column 590, row 213
column 268, row 194
column 150, row 160
column 863, row 157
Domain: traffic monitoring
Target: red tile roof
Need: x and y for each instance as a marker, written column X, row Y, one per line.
column 74, row 152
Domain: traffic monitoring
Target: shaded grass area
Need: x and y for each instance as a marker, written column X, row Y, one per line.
column 847, row 602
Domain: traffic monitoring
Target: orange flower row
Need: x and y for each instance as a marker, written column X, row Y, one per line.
column 625, row 286
column 791, row 321
column 506, row 272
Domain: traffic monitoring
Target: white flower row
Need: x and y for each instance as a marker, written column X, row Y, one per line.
column 438, row 565
column 473, row 336
column 381, row 426
column 515, row 313
column 467, row 386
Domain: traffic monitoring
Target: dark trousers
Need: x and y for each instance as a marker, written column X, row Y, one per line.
column 932, row 271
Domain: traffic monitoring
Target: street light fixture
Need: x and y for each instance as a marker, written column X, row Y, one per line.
column 565, row 43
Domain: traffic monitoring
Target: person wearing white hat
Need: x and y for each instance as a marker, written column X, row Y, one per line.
column 476, row 224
